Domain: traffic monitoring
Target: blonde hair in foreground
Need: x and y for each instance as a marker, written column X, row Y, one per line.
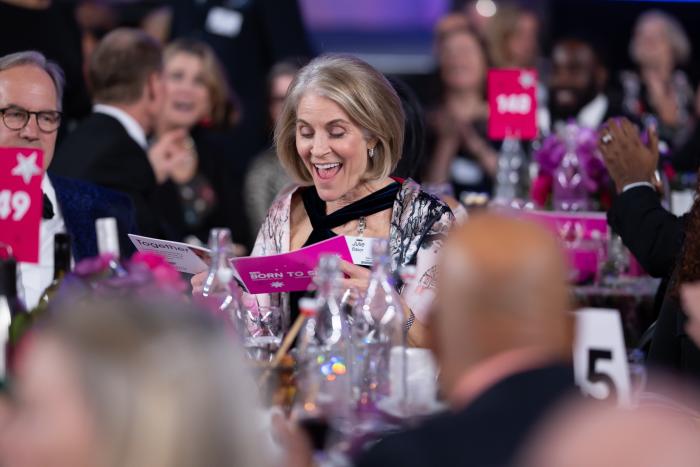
column 363, row 93
column 165, row 384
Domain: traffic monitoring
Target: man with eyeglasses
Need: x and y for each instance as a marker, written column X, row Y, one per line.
column 31, row 90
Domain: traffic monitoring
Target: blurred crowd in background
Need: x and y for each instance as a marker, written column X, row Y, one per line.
column 141, row 383
column 228, row 63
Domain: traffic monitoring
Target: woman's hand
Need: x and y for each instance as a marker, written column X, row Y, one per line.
column 197, row 282
column 480, row 149
column 184, row 161
column 663, row 99
column 446, row 147
column 627, row 159
column 357, row 277
column 690, row 296
column 160, row 154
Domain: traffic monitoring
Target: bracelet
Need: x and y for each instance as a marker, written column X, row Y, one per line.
column 409, row 321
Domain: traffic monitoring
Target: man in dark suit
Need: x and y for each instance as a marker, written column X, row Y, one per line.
column 110, row 148
column 657, row 239
column 653, row 234
column 503, row 339
column 30, row 106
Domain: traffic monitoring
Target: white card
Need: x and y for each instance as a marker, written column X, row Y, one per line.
column 360, row 250
column 183, row 257
column 224, row 22
column 600, row 357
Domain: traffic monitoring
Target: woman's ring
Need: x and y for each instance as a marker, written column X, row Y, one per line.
column 607, row 137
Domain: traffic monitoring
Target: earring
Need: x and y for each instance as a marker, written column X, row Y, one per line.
column 370, row 152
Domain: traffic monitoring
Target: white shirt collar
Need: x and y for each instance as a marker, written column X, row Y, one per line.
column 130, row 124
column 33, row 279
column 592, row 114
column 48, row 189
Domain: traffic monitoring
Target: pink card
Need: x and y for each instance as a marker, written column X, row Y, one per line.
column 512, row 95
column 21, row 172
column 287, row 272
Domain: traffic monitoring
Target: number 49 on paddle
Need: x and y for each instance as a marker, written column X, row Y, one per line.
column 21, row 173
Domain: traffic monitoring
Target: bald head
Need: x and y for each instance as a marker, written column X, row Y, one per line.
column 502, row 287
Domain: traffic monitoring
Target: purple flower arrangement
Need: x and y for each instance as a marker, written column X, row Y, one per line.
column 571, row 170
column 146, row 275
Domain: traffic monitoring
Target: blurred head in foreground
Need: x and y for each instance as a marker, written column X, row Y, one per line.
column 594, row 434
column 502, row 290
column 123, row 383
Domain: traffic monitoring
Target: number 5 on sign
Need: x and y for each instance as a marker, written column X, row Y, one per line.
column 600, row 358
column 21, row 200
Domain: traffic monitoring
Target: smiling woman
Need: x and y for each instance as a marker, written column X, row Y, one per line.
column 339, row 136
column 198, row 102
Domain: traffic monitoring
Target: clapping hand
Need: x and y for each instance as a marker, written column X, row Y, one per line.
column 627, row 159
column 663, row 98
column 172, row 158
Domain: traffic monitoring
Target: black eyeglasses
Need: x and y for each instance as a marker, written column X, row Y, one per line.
column 16, row 118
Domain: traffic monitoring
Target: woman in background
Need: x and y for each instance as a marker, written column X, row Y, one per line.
column 199, row 102
column 266, row 176
column 513, row 37
column 460, row 157
column 659, row 88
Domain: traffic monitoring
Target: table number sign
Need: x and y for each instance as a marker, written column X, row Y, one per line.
column 512, row 96
column 21, row 200
column 600, row 358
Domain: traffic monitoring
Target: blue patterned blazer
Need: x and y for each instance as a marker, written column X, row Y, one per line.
column 82, row 203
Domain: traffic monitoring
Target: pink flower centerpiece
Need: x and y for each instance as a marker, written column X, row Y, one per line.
column 572, row 175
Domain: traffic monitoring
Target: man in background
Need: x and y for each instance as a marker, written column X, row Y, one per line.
column 110, row 148
column 31, row 90
column 577, row 87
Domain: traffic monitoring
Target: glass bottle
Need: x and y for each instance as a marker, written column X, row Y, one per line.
column 380, row 342
column 15, row 321
column 108, row 244
column 220, row 292
column 511, row 177
column 323, row 355
column 61, row 267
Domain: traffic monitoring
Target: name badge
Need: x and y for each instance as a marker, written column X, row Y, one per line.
column 360, row 250
column 224, row 22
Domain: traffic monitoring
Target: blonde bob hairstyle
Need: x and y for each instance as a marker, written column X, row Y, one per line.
column 224, row 105
column 363, row 93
